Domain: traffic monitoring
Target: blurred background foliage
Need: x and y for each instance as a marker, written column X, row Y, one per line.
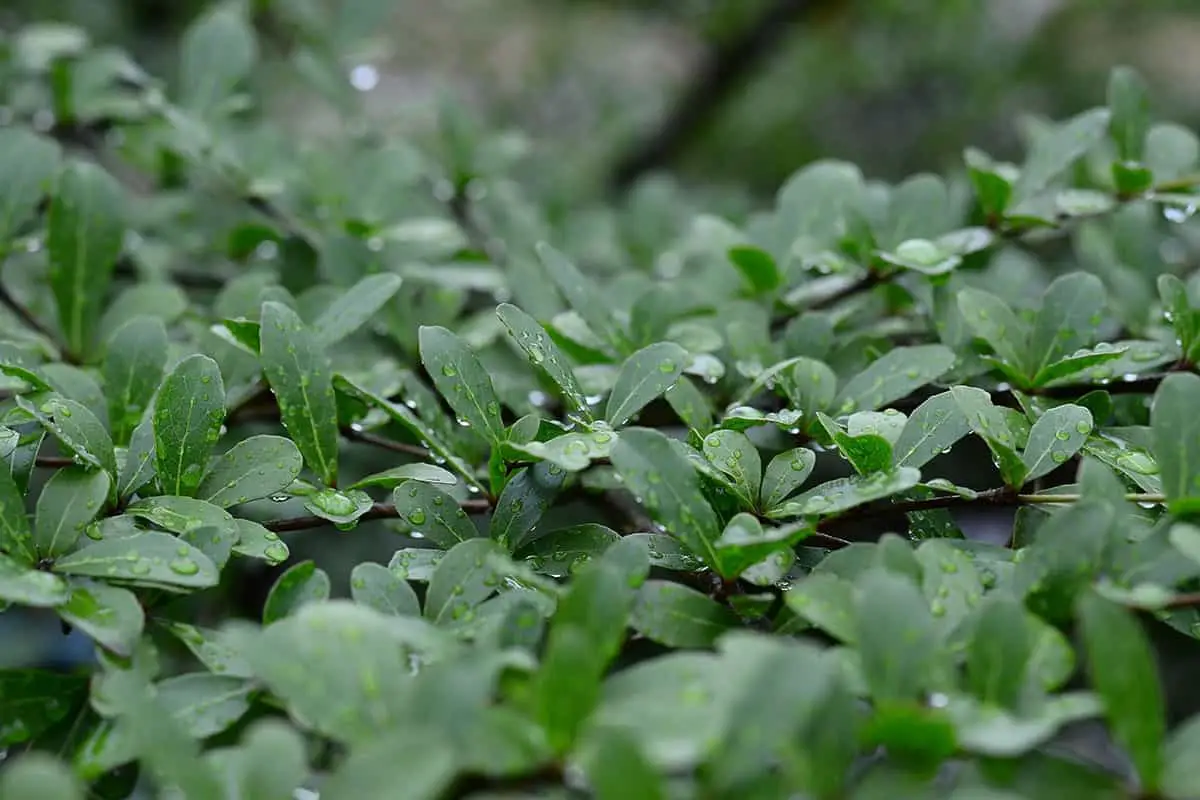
column 896, row 86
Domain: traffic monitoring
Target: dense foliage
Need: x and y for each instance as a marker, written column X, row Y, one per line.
column 675, row 505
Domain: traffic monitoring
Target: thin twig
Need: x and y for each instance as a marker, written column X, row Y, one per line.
column 54, row 462
column 23, row 314
column 366, row 437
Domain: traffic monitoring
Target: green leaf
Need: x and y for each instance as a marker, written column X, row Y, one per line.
column 1123, row 671
column 1176, row 437
column 391, row 478
column 1181, row 761
column 16, row 536
column 866, row 453
column 299, row 585
column 274, row 762
column 138, row 467
column 147, row 559
column 188, row 414
column 1055, row 438
column 843, row 494
column 558, row 553
column 933, row 428
column 989, row 423
column 583, row 296
column 255, row 541
column 134, row 357
column 690, row 405
column 433, row 513
column 897, row 638
column 462, row 381
column 84, row 234
column 377, row 586
column 28, row 163
column 24, row 586
column 1056, row 151
column 355, row 307
column 40, row 776
column 204, row 704
column 257, row 467
column 811, row 385
column 343, row 509
column 826, row 601
column 785, row 474
column 733, row 454
column 109, row 615
column 69, row 501
column 896, row 374
column 297, row 368
column 677, row 616
column 219, row 51
column 544, row 354
column 75, row 427
column 1129, row 108
column 668, row 484
column 210, row 648
column 617, row 769
column 1072, row 308
column 745, row 543
column 999, row 653
column 644, row 376
column 573, row 452
column 463, row 579
column 525, row 498
column 1079, row 361
column 34, row 700
column 992, row 320
column 427, row 761
column 414, row 425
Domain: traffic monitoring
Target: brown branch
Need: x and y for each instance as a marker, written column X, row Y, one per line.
column 366, row 437
column 726, row 68
column 24, row 315
column 377, row 511
column 54, row 462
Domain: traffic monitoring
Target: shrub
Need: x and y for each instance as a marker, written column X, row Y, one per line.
column 685, row 525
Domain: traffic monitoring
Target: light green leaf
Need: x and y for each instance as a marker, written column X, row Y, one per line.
column 40, row 776
column 299, row 585
column 391, row 478
column 415, row 564
column 677, row 616
column 149, row 559
column 257, row 467
column 463, row 579
column 843, row 494
column 1129, row 109
column 274, row 761
column 84, row 235
column 896, row 374
column 1071, row 311
column 932, row 429
column 204, row 704
column 617, row 769
column 573, row 452
column 24, row 586
column 297, row 368
column 1122, row 668
column 75, row 427
column 826, row 601
column 1176, row 437
column 784, row 474
column 733, row 454
column 526, row 496
column 16, row 536
column 897, row 638
column 867, row 453
column 210, row 648
column 462, row 381
column 255, row 541
column 999, row 653
column 992, row 320
column 644, row 376
column 745, row 543
column 990, row 424
column 137, row 469
column 377, row 586
column 28, row 163
column 219, row 51
column 343, row 509
column 1181, row 761
column 134, row 358
column 69, row 501
column 429, row 764
column 669, row 487
column 583, row 296
column 1055, row 438
column 1057, row 150
column 188, row 414
column 433, row 513
column 690, row 405
column 1093, row 360
column 355, row 307
column 109, row 615
column 544, row 354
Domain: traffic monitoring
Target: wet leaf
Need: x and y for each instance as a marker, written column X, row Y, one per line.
column 643, row 377
column 16, row 535
column 391, row 478
column 786, row 473
column 1055, row 438
column 433, row 513
column 109, row 615
column 29, row 162
column 297, row 368
column 745, row 542
column 340, row 508
column 134, row 357
column 896, row 374
column 842, row 494
column 734, row 455
column 583, row 296
column 463, row 579
column 188, row 414
column 462, row 381
column 992, row 320
column 257, row 467
column 71, row 499
column 1176, row 437
column 75, row 427
column 676, row 616
column 559, row 552
column 355, row 307
column 380, row 588
column 1072, row 308
column 299, row 585
column 932, row 430
column 255, row 541
column 544, row 354
column 149, row 559
column 826, row 601
column 526, row 496
column 23, row 586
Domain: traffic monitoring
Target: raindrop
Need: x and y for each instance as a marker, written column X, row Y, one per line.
column 364, row 77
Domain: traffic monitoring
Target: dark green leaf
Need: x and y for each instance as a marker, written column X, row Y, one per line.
column 150, row 558
column 28, row 161
column 558, row 553
column 138, row 467
column 932, row 429
column 784, row 474
column 297, row 368
column 525, row 498
column 75, row 427
column 757, row 266
column 16, row 535
column 733, row 454
column 257, row 467
column 463, row 579
column 644, row 376
column 377, row 586
column 896, row 374
column 544, row 354
column 1068, row 319
column 433, row 513
column 188, row 414
column 69, row 501
column 745, row 542
column 33, row 700
column 301, row 584
column 134, row 358
column 84, row 236
column 462, row 381
column 1123, row 671
column 676, row 616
